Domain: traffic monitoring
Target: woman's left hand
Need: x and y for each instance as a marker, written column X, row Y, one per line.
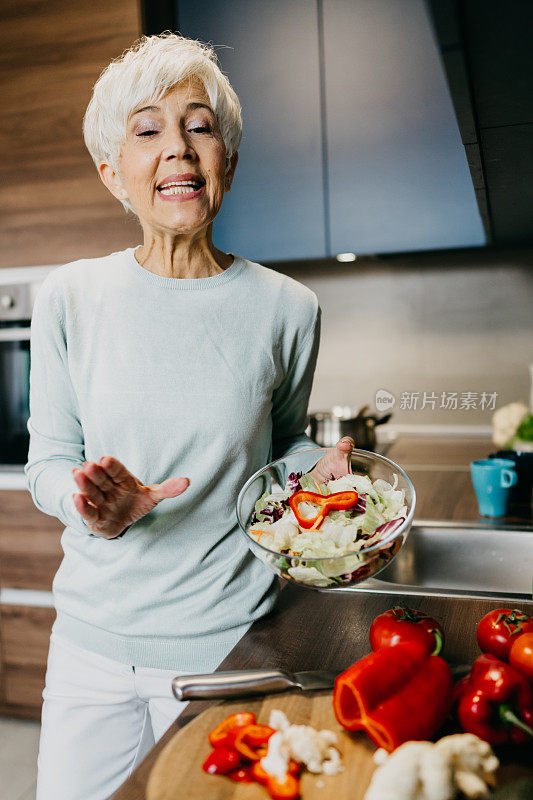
column 336, row 462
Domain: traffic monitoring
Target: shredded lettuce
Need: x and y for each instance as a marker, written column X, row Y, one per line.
column 307, row 483
column 270, row 507
column 373, row 517
column 332, row 553
column 262, row 503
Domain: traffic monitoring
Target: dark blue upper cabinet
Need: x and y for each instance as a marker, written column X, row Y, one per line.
column 350, row 139
column 269, row 50
column 397, row 170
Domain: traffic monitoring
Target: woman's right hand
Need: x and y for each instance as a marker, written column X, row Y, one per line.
column 111, row 498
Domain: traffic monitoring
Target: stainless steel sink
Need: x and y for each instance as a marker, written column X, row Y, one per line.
column 460, row 559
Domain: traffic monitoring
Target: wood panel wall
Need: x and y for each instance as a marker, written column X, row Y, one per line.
column 53, row 206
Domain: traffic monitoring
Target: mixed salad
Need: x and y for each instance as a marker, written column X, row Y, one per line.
column 323, row 530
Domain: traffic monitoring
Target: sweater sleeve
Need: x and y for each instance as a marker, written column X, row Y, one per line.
column 291, row 400
column 56, row 435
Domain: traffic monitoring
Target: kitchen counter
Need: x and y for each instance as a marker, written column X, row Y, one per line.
column 440, row 471
column 287, row 638
column 13, row 477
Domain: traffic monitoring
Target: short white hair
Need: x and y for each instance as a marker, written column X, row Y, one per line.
column 147, row 71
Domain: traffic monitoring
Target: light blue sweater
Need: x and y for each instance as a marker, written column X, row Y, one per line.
column 207, row 378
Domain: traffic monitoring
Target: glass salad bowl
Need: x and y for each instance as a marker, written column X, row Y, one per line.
column 342, row 547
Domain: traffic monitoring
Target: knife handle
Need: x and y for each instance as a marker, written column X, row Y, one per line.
column 231, row 684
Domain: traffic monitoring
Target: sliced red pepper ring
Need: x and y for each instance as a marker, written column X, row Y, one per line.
column 250, row 741
column 242, row 775
column 260, row 774
column 336, row 501
column 224, row 733
column 288, row 788
column 240, row 747
column 257, row 735
column 221, row 761
column 294, row 768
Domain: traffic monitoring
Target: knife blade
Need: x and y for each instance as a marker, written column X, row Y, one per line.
column 245, row 683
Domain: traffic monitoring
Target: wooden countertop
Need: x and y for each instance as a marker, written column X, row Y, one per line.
column 287, row 637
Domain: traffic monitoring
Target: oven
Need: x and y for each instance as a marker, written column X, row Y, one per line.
column 16, row 302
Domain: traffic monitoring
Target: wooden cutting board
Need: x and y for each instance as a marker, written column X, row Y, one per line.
column 177, row 773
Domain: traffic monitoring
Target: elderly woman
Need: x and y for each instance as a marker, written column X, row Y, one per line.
column 162, row 377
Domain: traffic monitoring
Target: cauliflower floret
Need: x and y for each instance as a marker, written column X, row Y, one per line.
column 308, row 746
column 276, row 761
column 278, row 720
column 505, row 421
column 333, row 764
column 427, row 771
column 412, row 772
column 472, row 760
column 302, row 743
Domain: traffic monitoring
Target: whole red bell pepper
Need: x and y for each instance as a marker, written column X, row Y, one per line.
column 496, row 702
column 326, row 502
column 395, row 694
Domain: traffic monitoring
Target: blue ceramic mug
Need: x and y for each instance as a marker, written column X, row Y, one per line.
column 492, row 479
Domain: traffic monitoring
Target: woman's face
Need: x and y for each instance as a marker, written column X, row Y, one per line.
column 171, row 141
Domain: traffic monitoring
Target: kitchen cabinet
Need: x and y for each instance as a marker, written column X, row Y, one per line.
column 509, row 179
column 55, row 209
column 275, row 209
column 30, row 554
column 350, row 138
column 397, row 169
column 25, row 634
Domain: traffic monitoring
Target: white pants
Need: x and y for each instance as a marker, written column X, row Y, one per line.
column 99, row 719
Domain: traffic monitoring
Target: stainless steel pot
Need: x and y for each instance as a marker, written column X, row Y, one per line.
column 327, row 427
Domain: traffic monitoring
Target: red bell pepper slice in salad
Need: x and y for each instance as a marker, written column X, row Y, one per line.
column 328, row 502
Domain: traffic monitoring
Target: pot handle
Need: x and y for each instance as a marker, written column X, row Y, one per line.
column 380, row 420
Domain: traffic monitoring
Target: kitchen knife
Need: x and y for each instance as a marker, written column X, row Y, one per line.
column 249, row 682
column 244, row 683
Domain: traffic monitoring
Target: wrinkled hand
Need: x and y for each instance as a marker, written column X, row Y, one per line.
column 336, row 462
column 111, row 498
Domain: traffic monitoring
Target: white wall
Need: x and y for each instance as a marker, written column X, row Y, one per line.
column 455, row 321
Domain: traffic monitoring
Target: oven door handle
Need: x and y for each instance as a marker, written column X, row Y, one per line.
column 14, row 334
